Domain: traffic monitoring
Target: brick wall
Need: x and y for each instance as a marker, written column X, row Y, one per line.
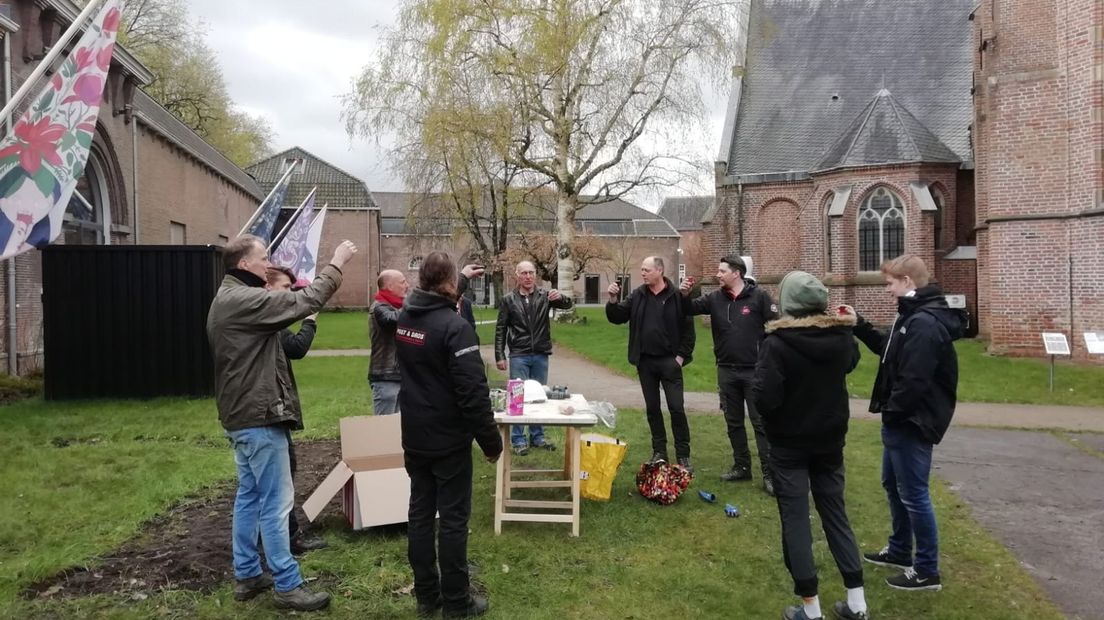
column 1039, row 126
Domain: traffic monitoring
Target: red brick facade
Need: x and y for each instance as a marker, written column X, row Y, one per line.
column 1039, row 125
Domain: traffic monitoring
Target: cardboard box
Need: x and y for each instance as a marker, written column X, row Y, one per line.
column 371, row 477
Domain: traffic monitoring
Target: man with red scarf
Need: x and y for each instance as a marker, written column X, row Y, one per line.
column 383, row 372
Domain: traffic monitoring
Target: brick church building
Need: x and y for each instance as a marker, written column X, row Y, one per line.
column 972, row 136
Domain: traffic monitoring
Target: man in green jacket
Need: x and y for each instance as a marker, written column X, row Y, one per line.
column 258, row 405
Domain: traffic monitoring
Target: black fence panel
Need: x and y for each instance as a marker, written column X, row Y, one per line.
column 128, row 321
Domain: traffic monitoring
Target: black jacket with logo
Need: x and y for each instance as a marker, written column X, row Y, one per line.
column 523, row 323
column 444, row 400
column 917, row 382
column 677, row 325
column 800, row 386
column 737, row 324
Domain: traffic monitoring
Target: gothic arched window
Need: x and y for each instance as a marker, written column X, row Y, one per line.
column 881, row 229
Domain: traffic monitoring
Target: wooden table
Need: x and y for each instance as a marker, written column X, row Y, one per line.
column 545, row 414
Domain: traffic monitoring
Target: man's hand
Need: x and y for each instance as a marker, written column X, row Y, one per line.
column 343, row 253
column 680, row 360
column 472, row 271
column 492, row 459
column 614, row 292
column 685, row 287
column 554, row 295
column 501, row 365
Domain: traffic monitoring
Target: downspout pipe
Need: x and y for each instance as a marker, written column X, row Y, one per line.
column 13, row 327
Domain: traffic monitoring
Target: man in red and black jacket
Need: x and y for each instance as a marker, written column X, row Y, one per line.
column 737, row 311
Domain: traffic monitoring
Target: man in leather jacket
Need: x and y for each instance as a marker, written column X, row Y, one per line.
column 523, row 327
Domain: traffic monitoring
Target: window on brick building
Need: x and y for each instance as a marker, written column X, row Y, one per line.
column 828, row 198
column 881, row 229
column 88, row 214
column 292, row 161
column 178, row 233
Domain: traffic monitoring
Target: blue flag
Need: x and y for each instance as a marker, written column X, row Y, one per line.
column 269, row 210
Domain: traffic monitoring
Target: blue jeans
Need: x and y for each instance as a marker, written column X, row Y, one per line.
column 385, row 397
column 528, row 367
column 264, row 500
column 906, row 467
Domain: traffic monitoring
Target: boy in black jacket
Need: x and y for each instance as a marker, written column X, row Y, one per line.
column 800, row 389
column 445, row 404
column 915, row 392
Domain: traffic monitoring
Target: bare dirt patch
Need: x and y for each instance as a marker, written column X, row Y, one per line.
column 188, row 547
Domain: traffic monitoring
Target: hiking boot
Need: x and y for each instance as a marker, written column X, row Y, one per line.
column 736, row 474
column 684, row 461
column 768, row 486
column 912, row 580
column 843, row 612
column 797, row 612
column 657, row 457
column 301, row 599
column 521, row 450
column 477, row 606
column 429, row 609
column 245, row 589
column 882, row 558
column 545, row 445
column 303, row 543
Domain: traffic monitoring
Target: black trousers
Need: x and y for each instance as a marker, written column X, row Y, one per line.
column 735, row 386
column 796, row 472
column 440, row 486
column 664, row 371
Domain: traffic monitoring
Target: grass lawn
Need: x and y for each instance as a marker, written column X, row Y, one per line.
column 80, row 478
column 982, row 377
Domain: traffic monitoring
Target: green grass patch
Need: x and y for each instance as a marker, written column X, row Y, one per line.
column 349, row 330
column 80, row 478
column 982, row 377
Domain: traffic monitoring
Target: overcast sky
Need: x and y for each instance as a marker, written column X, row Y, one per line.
column 290, row 61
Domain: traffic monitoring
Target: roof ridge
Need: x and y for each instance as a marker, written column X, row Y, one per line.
column 895, row 106
column 870, row 107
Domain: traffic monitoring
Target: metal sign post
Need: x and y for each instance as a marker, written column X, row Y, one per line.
column 1056, row 344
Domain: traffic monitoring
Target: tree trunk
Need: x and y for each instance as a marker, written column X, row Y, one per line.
column 566, row 207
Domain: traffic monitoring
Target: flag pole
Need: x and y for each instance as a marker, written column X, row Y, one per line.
column 280, row 237
column 314, row 220
column 55, row 50
column 253, row 217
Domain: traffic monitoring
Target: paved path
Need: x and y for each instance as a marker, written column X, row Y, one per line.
column 1040, row 495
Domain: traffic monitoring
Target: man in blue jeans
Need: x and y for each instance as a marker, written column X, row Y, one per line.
column 258, row 406
column 915, row 392
column 523, row 327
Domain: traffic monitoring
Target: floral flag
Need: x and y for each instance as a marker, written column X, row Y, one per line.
column 44, row 157
column 308, row 258
column 291, row 246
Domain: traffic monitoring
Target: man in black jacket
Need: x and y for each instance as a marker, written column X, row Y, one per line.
column 445, row 404
column 523, row 326
column 800, row 389
column 661, row 342
column 915, row 391
column 737, row 311
column 296, row 346
column 383, row 369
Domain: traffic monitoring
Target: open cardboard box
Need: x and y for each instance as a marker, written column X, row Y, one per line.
column 374, row 484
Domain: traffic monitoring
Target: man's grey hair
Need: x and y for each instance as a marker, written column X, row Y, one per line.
column 657, row 262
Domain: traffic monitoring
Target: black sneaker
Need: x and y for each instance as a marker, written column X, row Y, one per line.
column 545, row 445
column 429, row 609
column 303, row 543
column 912, row 580
column 301, row 599
column 843, row 612
column 882, row 558
column 521, row 450
column 736, row 474
column 477, row 606
column 685, row 463
column 768, row 486
column 797, row 612
column 245, row 589
column 657, row 457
